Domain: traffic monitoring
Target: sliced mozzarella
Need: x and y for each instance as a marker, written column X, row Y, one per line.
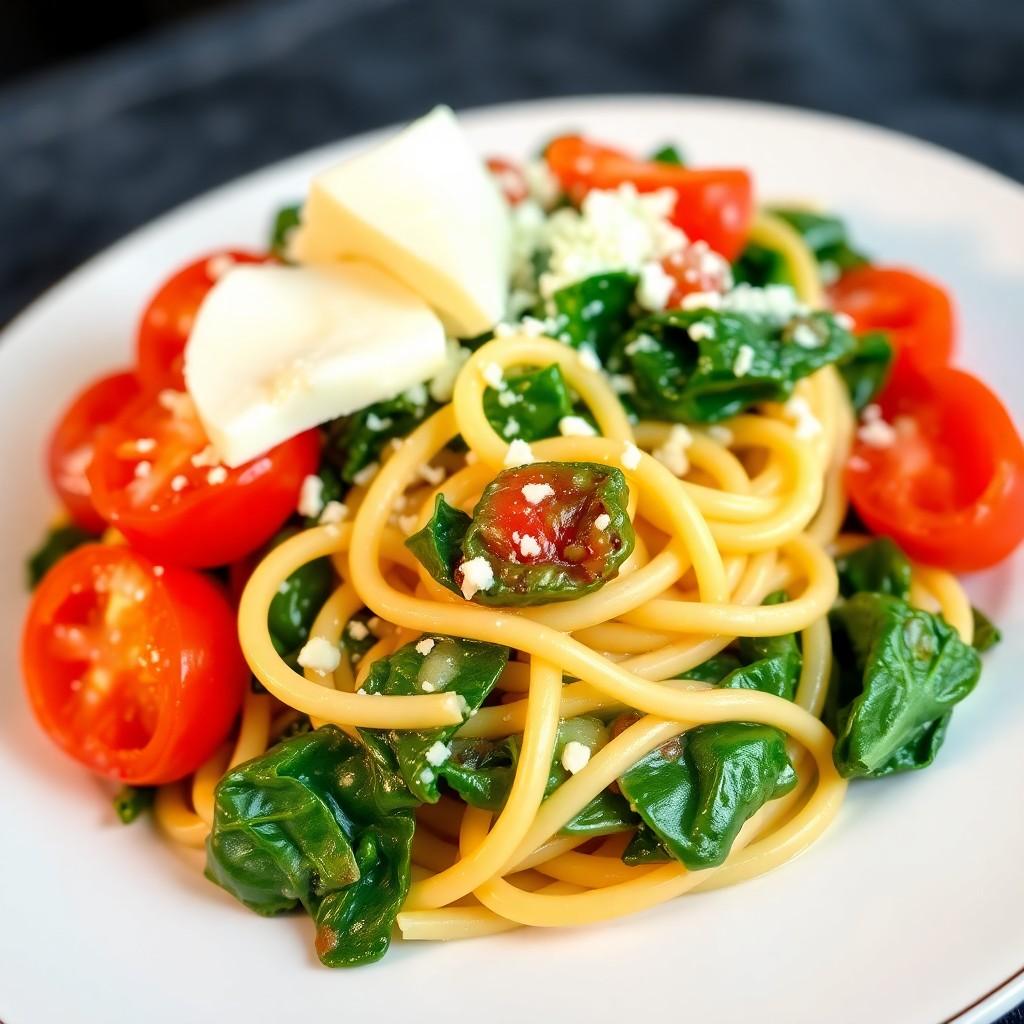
column 275, row 350
column 422, row 206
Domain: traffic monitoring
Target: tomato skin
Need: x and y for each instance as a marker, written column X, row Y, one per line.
column 950, row 489
column 714, row 205
column 167, row 319
column 69, row 451
column 916, row 313
column 205, row 524
column 510, row 179
column 192, row 694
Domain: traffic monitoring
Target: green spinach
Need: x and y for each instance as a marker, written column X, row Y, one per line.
column 132, row 801
column 324, row 821
column 701, row 374
column 880, row 566
column 530, row 406
column 696, row 791
column 866, row 369
column 433, row 664
column 986, row 633
column 286, row 220
column 58, row 542
column 898, row 673
column 594, row 313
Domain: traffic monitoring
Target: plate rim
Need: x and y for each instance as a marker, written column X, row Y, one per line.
column 1007, row 994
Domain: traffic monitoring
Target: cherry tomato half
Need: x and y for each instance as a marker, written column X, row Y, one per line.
column 916, row 313
column 510, row 179
column 70, row 451
column 167, row 319
column 156, row 478
column 132, row 669
column 714, row 205
column 949, row 488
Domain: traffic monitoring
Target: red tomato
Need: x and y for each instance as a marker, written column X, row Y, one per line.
column 132, row 669
column 71, row 445
column 510, row 179
column 167, row 320
column 714, row 206
column 916, row 313
column 950, row 487
column 155, row 477
column 696, row 269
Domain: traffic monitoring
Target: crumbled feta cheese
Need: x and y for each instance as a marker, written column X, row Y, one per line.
column 806, row 336
column 800, row 413
column 876, row 433
column 702, row 300
column 426, row 776
column 575, row 756
column 631, row 455
column 334, row 512
column 493, row 374
column 143, row 469
column 377, row 423
column 615, row 229
column 357, row 630
column 642, row 343
column 204, row 457
column 508, row 398
column 744, row 361
column 536, row 493
column 701, row 330
column 179, row 482
column 519, row 454
column 177, row 403
column 433, row 475
column 655, row 287
column 443, row 384
column 511, row 427
column 528, row 546
column 872, row 411
column 144, row 445
column 311, row 496
column 721, row 435
column 542, row 186
column 672, row 453
column 603, row 521
column 588, row 357
column 505, row 330
column 320, row 655
column 217, row 475
column 622, row 383
column 437, row 754
column 575, row 426
column 425, row 646
column 417, row 394
column 532, row 327
column 844, row 320
column 366, row 474
column 858, row 463
column 477, row 575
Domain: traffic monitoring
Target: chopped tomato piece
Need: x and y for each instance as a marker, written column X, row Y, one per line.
column 70, row 450
column 943, row 472
column 510, row 179
column 133, row 669
column 714, row 205
column 916, row 313
column 167, row 319
column 158, row 480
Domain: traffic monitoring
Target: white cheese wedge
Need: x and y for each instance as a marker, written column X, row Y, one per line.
column 275, row 350
column 423, row 207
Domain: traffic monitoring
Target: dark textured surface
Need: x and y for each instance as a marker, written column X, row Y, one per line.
column 95, row 149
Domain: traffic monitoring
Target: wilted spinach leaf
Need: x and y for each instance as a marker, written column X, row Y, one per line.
column 866, row 369
column 530, row 406
column 898, row 673
column 286, row 220
column 322, row 820
column 880, row 566
column 58, row 542
column 986, row 633
column 438, row 546
column 595, row 312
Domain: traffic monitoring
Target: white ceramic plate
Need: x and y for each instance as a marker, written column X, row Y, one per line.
column 909, row 911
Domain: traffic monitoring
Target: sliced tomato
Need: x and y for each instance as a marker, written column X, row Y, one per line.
column 156, row 478
column 510, row 178
column 714, row 205
column 70, row 451
column 947, row 482
column 916, row 313
column 167, row 319
column 133, row 669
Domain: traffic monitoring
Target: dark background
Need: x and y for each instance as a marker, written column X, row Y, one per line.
column 111, row 113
